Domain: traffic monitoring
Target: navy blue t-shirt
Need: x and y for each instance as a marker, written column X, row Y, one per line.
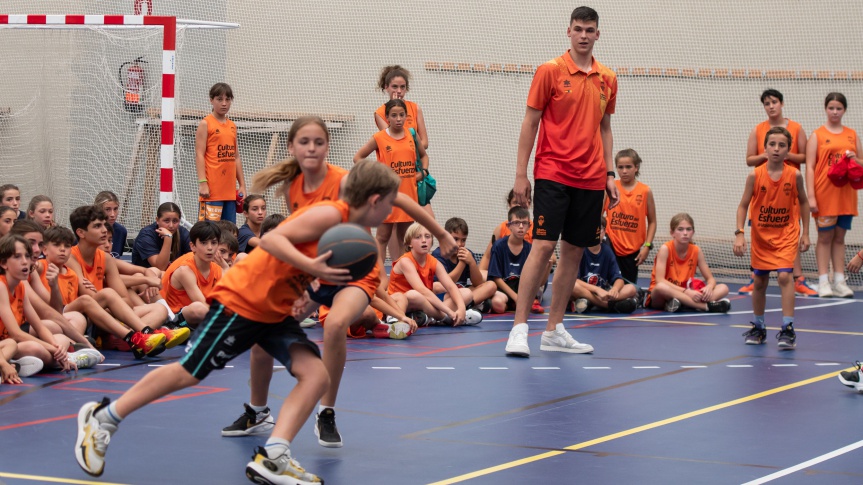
column 504, row 264
column 243, row 237
column 464, row 278
column 149, row 243
column 118, row 239
column 599, row 269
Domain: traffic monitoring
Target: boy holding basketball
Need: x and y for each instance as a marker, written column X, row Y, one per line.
column 775, row 197
column 254, row 304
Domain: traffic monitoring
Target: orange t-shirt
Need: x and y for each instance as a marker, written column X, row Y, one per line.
column 68, row 282
column 573, row 103
column 833, row 200
column 401, row 156
column 16, row 302
column 328, row 190
column 626, row 224
column 793, row 127
column 177, row 299
column 677, row 271
column 398, row 282
column 412, row 114
column 221, row 159
column 369, row 284
column 263, row 288
column 94, row 274
column 504, row 231
column 776, row 219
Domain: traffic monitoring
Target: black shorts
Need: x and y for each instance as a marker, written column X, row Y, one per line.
column 327, row 293
column 568, row 213
column 627, row 266
column 224, row 335
column 513, row 285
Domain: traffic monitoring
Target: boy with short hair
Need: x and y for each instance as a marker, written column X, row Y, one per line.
column 190, row 279
column 600, row 282
column 464, row 271
column 775, row 197
column 227, row 250
column 508, row 255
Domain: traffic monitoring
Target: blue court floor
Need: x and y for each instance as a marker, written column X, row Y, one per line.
column 664, row 399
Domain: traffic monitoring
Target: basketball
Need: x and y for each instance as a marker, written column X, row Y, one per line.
column 353, row 248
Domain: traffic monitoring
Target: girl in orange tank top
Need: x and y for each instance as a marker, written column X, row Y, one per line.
column 833, row 207
column 395, row 82
column 671, row 283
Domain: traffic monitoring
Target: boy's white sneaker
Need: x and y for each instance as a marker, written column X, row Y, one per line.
column 841, row 290
column 561, row 341
column 86, row 358
column 825, row 290
column 517, row 343
column 27, row 365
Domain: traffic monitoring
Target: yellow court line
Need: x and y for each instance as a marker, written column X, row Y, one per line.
column 638, row 429
column 54, row 480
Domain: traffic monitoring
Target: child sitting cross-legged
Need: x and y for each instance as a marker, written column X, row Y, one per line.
column 600, row 282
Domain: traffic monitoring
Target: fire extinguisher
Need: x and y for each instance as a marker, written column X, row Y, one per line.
column 133, row 83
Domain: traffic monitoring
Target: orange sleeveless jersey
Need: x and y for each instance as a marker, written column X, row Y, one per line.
column 369, row 284
column 401, row 157
column 626, row 223
column 775, row 219
column 329, row 189
column 68, row 283
column 410, row 121
column 16, row 301
column 177, row 299
column 221, row 159
column 398, row 282
column 833, row 200
column 95, row 274
column 261, row 287
column 677, row 271
column 504, row 231
column 761, row 131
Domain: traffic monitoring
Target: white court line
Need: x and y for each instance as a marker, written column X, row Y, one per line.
column 546, row 368
column 741, row 312
column 645, row 367
column 827, row 363
column 494, row 368
column 806, row 464
column 440, row 368
column 784, row 365
column 387, row 368
column 110, row 365
column 693, row 366
column 738, row 365
column 155, row 365
column 593, row 368
column 278, row 367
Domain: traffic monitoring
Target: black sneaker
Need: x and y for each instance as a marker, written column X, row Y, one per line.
column 485, row 306
column 326, row 430
column 627, row 305
column 719, row 306
column 787, row 338
column 420, row 318
column 250, row 423
column 755, row 336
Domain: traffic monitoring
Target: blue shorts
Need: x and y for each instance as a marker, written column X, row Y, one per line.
column 766, row 272
column 215, row 210
column 830, row 222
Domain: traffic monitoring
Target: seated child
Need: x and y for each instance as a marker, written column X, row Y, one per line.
column 189, row 280
column 600, row 282
column 63, row 282
column 10, row 196
column 143, row 283
column 508, row 255
column 463, row 269
column 110, row 205
column 228, row 249
column 8, row 215
column 411, row 285
column 254, row 210
column 41, row 211
column 673, row 282
column 163, row 241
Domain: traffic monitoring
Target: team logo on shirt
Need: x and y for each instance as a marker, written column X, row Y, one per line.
column 827, row 141
column 638, row 199
column 566, row 83
column 787, row 189
column 541, row 220
column 763, row 189
column 217, row 131
column 389, row 148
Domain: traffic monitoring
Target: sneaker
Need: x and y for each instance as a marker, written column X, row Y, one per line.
column 517, row 343
column 472, row 317
column 627, row 305
column 719, row 306
column 93, row 438
column 308, row 323
column 485, row 306
column 841, row 290
column 174, row 337
column 802, row 289
column 326, row 430
column 250, row 423
column 149, row 344
column 283, row 469
column 755, row 336
column 421, row 319
column 672, row 305
column 562, row 341
column 396, row 331
column 852, row 378
column 86, row 358
column 537, row 307
column 748, row 288
column 27, row 365
column 580, row 305
column 787, row 338
column 825, row 290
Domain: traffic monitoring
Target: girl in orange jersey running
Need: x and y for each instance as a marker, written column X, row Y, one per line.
column 671, row 283
column 41, row 210
column 395, row 148
column 833, row 207
column 631, row 225
column 776, row 199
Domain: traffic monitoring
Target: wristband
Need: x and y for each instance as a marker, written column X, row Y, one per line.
column 202, row 181
column 610, row 173
column 169, row 236
column 647, row 245
column 425, row 171
column 738, row 232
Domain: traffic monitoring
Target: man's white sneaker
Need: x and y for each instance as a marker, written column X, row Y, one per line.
column 841, row 290
column 824, row 290
column 561, row 341
column 517, row 343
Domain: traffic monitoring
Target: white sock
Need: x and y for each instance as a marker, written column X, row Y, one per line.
column 823, row 280
column 258, row 409
column 109, row 414
column 321, row 408
column 171, row 316
column 559, row 327
column 838, row 278
column 277, row 447
column 521, row 327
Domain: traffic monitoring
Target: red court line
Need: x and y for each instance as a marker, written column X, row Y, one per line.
column 38, row 421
